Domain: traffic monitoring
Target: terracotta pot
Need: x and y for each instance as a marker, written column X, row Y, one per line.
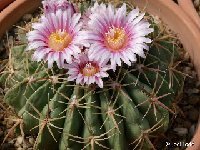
column 5, row 3
column 181, row 18
column 13, row 12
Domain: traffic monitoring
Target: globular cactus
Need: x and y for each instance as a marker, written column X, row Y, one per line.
column 134, row 103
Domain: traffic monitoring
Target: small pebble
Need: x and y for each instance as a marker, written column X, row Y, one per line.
column 10, row 123
column 16, row 30
column 191, row 65
column 187, row 70
column 10, row 140
column 196, row 3
column 156, row 19
column 194, row 74
column 193, row 114
column 193, row 100
column 27, row 17
column 27, row 144
column 187, row 124
column 193, row 91
column 1, row 116
column 186, row 56
column 10, row 39
column 31, row 140
column 197, row 84
column 192, row 130
column 16, row 145
column 181, row 131
column 19, row 140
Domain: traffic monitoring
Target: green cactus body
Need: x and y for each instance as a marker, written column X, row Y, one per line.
column 134, row 124
column 73, row 122
column 92, row 129
column 135, row 103
column 112, row 122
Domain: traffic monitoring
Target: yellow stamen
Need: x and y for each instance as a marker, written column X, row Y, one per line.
column 115, row 38
column 90, row 70
column 59, row 40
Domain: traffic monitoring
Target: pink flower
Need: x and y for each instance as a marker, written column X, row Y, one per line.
column 56, row 37
column 51, row 6
column 86, row 16
column 86, row 71
column 116, row 36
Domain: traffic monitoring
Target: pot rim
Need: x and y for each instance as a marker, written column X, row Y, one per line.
column 13, row 12
column 5, row 3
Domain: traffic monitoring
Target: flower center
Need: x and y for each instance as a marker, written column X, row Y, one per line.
column 59, row 40
column 90, row 69
column 115, row 38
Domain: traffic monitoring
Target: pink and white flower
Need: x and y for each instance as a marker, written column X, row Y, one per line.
column 51, row 6
column 116, row 36
column 86, row 71
column 56, row 37
column 86, row 16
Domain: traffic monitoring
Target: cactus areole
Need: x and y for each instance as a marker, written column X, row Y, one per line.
column 101, row 79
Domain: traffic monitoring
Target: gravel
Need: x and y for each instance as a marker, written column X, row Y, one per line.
column 181, row 131
column 27, row 17
column 197, row 5
column 193, row 114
